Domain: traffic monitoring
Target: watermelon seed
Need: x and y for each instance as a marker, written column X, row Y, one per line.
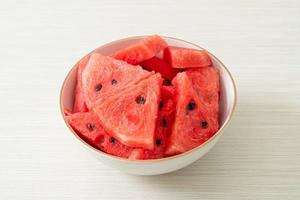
column 114, row 82
column 158, row 142
column 98, row 87
column 161, row 105
column 112, row 140
column 90, row 126
column 163, row 122
column 204, row 124
column 191, row 105
column 140, row 100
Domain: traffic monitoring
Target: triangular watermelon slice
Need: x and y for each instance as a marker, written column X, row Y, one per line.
column 79, row 103
column 105, row 75
column 179, row 57
column 194, row 123
column 88, row 128
column 164, row 122
column 143, row 50
column 130, row 114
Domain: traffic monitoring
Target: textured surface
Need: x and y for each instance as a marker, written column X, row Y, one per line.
column 257, row 158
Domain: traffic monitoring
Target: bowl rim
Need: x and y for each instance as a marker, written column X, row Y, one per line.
column 97, row 151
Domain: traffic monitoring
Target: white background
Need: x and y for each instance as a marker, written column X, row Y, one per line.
column 259, row 41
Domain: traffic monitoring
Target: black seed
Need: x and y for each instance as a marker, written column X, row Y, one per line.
column 114, row 82
column 90, row 126
column 204, row 124
column 161, row 105
column 112, row 140
column 191, row 105
column 163, row 122
column 167, row 82
column 98, row 88
column 140, row 100
column 158, row 142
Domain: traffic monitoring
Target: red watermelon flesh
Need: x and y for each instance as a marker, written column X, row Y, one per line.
column 79, row 103
column 159, row 65
column 130, row 115
column 87, row 126
column 207, row 84
column 143, row 50
column 179, row 57
column 163, row 127
column 194, row 123
column 105, row 75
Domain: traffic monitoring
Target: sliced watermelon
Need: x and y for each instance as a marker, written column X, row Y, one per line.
column 207, row 84
column 105, row 75
column 143, row 50
column 159, row 65
column 194, row 123
column 88, row 128
column 130, row 115
column 163, row 127
column 79, row 103
column 179, row 57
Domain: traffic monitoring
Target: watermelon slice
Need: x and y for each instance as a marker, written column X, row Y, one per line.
column 159, row 65
column 163, row 127
column 179, row 57
column 88, row 128
column 130, row 114
column 143, row 50
column 105, row 75
column 194, row 123
column 79, row 103
column 207, row 85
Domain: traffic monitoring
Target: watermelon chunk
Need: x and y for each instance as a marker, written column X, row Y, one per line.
column 79, row 103
column 105, row 75
column 87, row 126
column 159, row 65
column 179, row 57
column 163, row 127
column 207, row 85
column 130, row 114
column 194, row 123
column 143, row 50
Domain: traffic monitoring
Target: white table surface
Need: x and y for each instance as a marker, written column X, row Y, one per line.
column 257, row 158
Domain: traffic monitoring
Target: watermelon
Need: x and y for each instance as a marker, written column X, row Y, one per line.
column 163, row 127
column 130, row 115
column 207, row 85
column 104, row 75
column 67, row 112
column 159, row 65
column 179, row 57
column 79, row 103
column 194, row 123
column 87, row 126
column 143, row 50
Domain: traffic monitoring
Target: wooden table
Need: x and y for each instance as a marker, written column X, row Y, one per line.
column 257, row 158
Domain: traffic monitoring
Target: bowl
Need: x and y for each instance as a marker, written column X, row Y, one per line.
column 228, row 98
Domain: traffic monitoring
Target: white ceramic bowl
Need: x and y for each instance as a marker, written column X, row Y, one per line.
column 158, row 166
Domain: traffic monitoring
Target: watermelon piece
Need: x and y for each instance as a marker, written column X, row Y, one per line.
column 207, row 85
column 79, row 103
column 104, row 75
column 163, row 127
column 87, row 126
column 143, row 50
column 130, row 114
column 194, row 123
column 159, row 65
column 179, row 57
column 67, row 112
